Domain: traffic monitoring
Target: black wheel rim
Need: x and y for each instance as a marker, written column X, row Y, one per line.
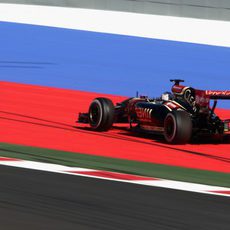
column 94, row 114
column 169, row 127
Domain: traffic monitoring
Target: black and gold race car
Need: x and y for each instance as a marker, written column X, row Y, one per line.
column 178, row 115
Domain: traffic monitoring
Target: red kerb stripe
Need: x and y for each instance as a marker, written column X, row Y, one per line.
column 8, row 159
column 222, row 192
column 113, row 175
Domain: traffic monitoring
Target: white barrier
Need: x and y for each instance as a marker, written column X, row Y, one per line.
column 200, row 31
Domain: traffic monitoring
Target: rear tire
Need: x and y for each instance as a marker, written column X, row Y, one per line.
column 101, row 114
column 177, row 127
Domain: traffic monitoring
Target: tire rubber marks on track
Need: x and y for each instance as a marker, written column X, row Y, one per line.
column 115, row 176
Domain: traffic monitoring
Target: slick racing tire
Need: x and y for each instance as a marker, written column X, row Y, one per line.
column 177, row 127
column 101, row 114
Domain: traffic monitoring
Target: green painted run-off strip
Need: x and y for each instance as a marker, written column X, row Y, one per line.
column 117, row 165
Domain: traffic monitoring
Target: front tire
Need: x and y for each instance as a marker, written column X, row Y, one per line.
column 101, row 114
column 177, row 127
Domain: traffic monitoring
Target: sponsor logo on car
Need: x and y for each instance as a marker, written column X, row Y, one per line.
column 217, row 93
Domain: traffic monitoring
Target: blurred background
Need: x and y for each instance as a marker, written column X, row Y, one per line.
column 206, row 9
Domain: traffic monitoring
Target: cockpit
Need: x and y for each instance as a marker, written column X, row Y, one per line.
column 167, row 96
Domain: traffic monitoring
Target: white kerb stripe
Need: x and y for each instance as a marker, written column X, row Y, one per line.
column 155, row 182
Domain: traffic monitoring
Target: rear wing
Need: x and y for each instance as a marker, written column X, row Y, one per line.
column 218, row 94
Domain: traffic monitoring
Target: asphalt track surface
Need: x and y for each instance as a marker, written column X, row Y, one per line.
column 32, row 199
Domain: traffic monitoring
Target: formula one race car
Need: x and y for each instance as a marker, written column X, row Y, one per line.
column 179, row 115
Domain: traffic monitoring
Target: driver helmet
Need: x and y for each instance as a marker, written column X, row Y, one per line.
column 166, row 96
